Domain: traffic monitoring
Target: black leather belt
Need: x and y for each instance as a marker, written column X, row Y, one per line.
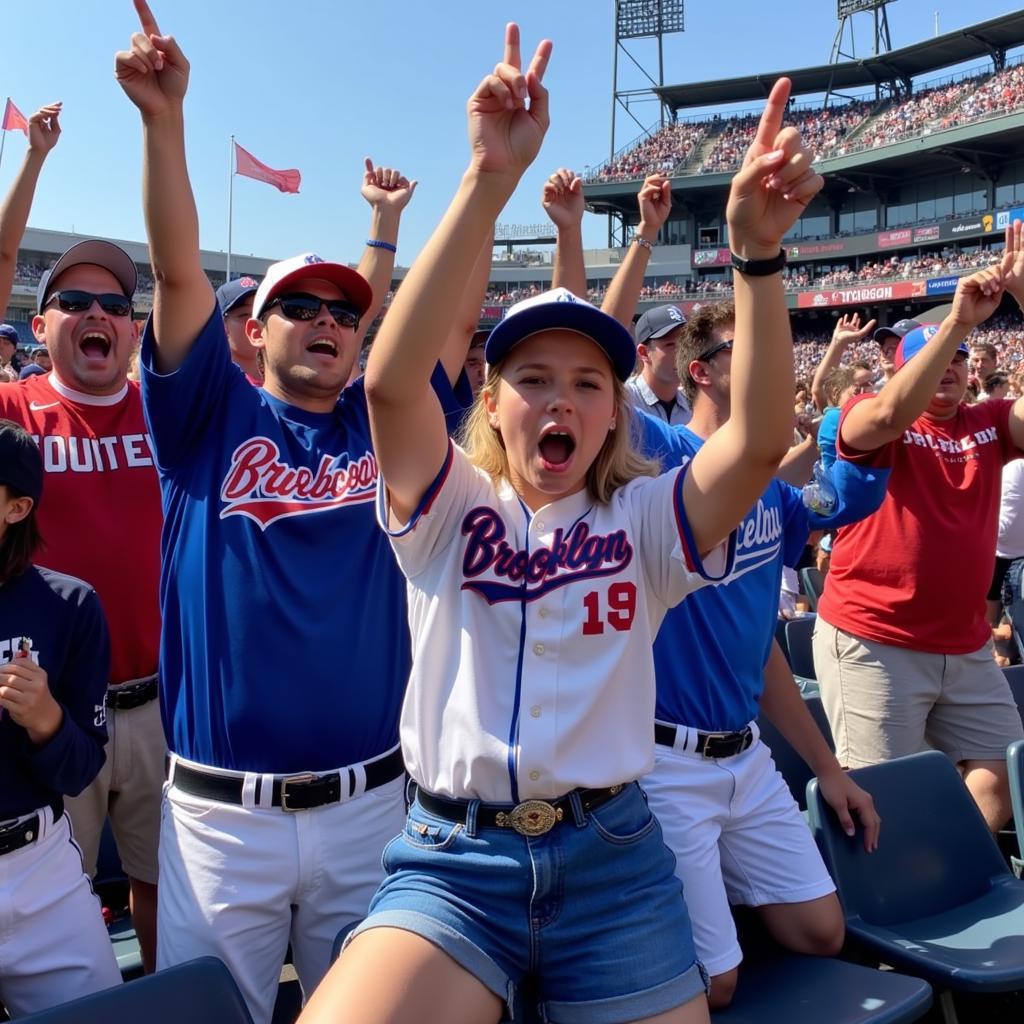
column 134, row 695
column 530, row 818
column 709, row 744
column 16, row 836
column 301, row 792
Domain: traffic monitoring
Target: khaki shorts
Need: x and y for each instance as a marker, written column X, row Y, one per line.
column 884, row 701
column 128, row 789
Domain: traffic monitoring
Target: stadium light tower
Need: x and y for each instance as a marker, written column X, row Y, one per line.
column 846, row 11
column 641, row 19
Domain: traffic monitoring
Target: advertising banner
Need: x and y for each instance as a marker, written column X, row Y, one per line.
column 928, row 234
column 892, row 239
column 967, row 226
column 941, row 285
column 711, row 257
column 858, row 295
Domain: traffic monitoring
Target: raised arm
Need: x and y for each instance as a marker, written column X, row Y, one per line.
column 154, row 75
column 848, row 331
column 881, row 419
column 43, row 133
column 562, row 199
column 388, row 192
column 467, row 315
column 655, row 202
column 733, row 467
column 1013, row 280
column 508, row 117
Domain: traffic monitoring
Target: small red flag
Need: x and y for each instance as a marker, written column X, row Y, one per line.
column 248, row 166
column 14, row 119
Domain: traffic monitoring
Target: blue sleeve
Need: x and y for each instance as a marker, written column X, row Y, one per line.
column 795, row 524
column 828, row 431
column 655, row 439
column 456, row 400
column 860, row 490
column 73, row 756
column 181, row 406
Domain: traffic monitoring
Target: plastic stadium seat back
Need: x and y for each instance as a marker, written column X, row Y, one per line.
column 798, row 644
column 1015, row 677
column 935, row 853
column 198, row 992
column 1015, row 764
column 797, row 989
column 814, row 584
column 791, row 765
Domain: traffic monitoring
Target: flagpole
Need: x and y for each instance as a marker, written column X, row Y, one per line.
column 231, row 203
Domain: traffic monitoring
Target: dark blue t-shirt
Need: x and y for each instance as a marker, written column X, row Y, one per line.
column 285, row 640
column 62, row 618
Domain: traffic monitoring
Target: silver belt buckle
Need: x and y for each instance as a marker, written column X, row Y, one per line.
column 293, row 780
column 530, row 818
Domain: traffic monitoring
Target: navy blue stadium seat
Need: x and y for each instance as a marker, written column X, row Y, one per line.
column 1015, row 677
column 780, row 636
column 198, row 992
column 936, row 899
column 1015, row 765
column 791, row 765
column 798, row 644
column 811, row 989
column 814, row 584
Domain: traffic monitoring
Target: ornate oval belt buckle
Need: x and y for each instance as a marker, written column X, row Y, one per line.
column 534, row 817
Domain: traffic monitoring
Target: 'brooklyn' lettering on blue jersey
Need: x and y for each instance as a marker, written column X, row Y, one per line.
column 710, row 653
column 285, row 646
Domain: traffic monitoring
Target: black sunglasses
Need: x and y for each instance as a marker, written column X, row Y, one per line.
column 75, row 301
column 301, row 306
column 725, row 346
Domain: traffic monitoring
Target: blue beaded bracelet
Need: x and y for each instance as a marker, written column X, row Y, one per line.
column 376, row 243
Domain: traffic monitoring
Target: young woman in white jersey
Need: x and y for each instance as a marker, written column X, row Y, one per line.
column 541, row 558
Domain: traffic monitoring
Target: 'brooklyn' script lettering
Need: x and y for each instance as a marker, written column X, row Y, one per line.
column 579, row 554
column 261, row 486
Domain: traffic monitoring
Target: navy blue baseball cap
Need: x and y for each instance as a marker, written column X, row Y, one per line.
column 900, row 329
column 94, row 250
column 231, row 293
column 658, row 322
column 560, row 309
column 8, row 332
column 21, row 465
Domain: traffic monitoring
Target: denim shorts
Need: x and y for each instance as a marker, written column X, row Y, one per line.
column 592, row 910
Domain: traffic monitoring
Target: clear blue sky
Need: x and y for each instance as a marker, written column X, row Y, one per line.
column 319, row 84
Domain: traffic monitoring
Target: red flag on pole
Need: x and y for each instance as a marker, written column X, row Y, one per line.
column 14, row 119
column 248, row 166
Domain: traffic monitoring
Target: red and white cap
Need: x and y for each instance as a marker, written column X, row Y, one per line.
column 286, row 274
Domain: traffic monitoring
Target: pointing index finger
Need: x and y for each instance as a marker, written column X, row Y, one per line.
column 146, row 18
column 774, row 110
column 512, row 54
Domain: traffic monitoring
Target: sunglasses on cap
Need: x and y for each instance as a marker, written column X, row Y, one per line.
column 75, row 301
column 301, row 306
column 725, row 346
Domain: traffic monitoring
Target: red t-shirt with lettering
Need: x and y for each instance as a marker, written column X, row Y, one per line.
column 915, row 573
column 100, row 512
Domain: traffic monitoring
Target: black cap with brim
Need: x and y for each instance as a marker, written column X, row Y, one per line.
column 559, row 309
column 21, row 465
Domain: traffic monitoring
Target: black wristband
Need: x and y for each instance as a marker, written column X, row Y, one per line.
column 759, row 268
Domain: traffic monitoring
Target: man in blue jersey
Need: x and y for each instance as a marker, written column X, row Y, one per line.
column 285, row 649
column 737, row 834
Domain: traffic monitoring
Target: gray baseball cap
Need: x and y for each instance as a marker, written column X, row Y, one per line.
column 658, row 322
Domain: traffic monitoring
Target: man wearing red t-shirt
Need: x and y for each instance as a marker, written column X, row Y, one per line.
column 902, row 647
column 102, row 523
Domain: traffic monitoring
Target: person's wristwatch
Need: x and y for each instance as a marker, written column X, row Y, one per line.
column 759, row 268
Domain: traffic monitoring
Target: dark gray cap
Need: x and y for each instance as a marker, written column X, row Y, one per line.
column 658, row 322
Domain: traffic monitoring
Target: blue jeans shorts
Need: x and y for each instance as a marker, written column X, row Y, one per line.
column 592, row 909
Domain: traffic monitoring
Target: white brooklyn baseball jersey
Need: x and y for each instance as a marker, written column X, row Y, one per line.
column 532, row 666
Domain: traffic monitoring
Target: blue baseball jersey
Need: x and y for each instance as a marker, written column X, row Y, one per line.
column 285, row 646
column 59, row 621
column 710, row 652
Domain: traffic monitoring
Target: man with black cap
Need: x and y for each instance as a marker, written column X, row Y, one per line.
column 54, row 657
column 235, row 301
column 102, row 524
column 888, row 340
column 655, row 389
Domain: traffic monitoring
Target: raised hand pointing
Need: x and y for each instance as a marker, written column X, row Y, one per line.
column 154, row 71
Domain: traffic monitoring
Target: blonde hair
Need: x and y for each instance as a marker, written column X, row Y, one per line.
column 616, row 463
